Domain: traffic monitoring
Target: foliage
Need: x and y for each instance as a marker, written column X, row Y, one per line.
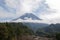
column 58, row 36
column 3, row 32
column 49, row 31
column 12, row 31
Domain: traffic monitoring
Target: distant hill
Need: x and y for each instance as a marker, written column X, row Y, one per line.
column 35, row 26
column 53, row 28
column 49, row 30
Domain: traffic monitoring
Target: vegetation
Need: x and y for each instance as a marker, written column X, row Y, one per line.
column 13, row 31
column 58, row 36
column 19, row 31
column 49, row 31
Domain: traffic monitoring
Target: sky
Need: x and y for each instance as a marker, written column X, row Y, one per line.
column 47, row 10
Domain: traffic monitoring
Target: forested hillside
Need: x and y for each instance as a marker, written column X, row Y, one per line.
column 49, row 31
column 13, row 31
column 19, row 31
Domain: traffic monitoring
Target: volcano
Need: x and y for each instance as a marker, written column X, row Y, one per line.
column 27, row 16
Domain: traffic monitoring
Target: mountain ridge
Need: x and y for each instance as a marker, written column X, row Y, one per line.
column 27, row 16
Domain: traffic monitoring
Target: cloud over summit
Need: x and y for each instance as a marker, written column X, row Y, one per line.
column 48, row 10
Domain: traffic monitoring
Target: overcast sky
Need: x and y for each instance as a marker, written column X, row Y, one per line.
column 47, row 10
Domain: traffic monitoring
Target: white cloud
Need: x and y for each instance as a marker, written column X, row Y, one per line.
column 29, row 6
column 7, row 9
column 53, row 17
column 11, row 3
column 54, row 4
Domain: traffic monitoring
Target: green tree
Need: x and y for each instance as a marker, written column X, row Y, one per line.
column 3, row 32
column 58, row 36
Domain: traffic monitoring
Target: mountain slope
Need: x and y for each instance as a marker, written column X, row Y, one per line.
column 27, row 16
column 53, row 28
column 35, row 26
column 49, row 30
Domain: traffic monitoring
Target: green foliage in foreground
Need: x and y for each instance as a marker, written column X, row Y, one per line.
column 13, row 31
column 58, row 36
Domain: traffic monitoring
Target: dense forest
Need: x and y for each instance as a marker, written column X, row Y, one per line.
column 13, row 31
column 19, row 31
column 50, row 31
